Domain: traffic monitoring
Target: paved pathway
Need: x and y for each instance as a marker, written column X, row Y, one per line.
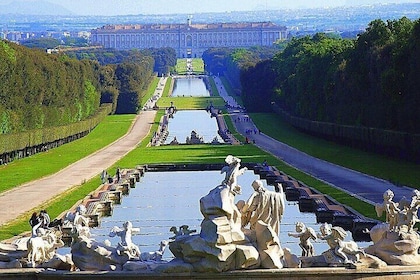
column 22, row 199
column 26, row 197
column 365, row 187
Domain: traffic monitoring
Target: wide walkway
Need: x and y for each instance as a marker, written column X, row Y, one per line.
column 24, row 198
column 362, row 186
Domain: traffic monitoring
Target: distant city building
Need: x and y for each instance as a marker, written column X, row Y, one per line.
column 20, row 36
column 188, row 40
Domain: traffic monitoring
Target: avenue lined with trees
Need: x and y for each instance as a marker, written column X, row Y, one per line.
column 263, row 89
column 47, row 99
column 363, row 92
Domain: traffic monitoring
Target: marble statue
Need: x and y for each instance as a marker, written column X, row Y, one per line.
column 126, row 246
column 264, row 205
column 175, row 231
column 174, row 141
column 88, row 254
column 396, row 241
column 223, row 243
column 42, row 246
column 390, row 208
column 232, row 170
column 401, row 216
column 77, row 218
column 183, row 230
column 194, row 138
column 412, row 211
column 305, row 234
column 186, row 231
column 35, row 250
column 340, row 250
column 155, row 255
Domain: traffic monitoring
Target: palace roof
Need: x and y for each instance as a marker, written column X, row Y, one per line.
column 196, row 27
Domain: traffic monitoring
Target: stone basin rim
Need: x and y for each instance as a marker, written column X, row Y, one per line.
column 390, row 272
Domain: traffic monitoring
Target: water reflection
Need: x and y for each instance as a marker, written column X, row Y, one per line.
column 165, row 199
column 186, row 121
column 191, row 86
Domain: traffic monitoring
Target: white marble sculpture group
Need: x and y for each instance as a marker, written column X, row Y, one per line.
column 233, row 236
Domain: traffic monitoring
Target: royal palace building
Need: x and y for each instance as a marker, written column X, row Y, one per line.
column 188, row 40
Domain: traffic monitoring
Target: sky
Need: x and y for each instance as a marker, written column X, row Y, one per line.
column 126, row 7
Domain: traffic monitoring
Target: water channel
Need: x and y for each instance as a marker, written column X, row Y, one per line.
column 165, row 199
column 190, row 86
column 186, row 121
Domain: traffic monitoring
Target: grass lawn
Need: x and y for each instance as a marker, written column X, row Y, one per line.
column 42, row 164
column 197, row 65
column 394, row 170
column 190, row 103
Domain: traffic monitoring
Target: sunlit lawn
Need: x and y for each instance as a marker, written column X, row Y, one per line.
column 393, row 170
column 42, row 164
column 192, row 103
column 197, row 64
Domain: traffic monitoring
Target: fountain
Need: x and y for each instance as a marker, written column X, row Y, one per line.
column 203, row 129
column 234, row 237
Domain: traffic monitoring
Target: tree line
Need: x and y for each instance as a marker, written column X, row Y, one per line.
column 363, row 90
column 371, row 81
column 232, row 62
column 42, row 90
column 164, row 58
column 38, row 90
column 125, row 74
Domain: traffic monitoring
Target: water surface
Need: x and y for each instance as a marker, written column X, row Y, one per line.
column 190, row 86
column 165, row 199
column 186, row 121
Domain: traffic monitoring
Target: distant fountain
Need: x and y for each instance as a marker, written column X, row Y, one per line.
column 194, row 138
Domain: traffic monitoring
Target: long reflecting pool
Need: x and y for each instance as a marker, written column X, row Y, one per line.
column 186, row 121
column 190, row 86
column 165, row 199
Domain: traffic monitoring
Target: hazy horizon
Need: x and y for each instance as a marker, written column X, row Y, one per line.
column 133, row 7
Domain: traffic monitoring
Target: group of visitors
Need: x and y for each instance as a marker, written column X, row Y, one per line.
column 252, row 131
column 105, row 177
column 239, row 119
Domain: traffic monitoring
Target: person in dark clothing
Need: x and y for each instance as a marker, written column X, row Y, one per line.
column 118, row 175
column 34, row 220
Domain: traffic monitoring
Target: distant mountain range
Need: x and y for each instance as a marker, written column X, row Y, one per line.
column 34, row 8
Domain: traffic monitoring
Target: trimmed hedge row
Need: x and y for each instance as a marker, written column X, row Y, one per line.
column 32, row 138
column 393, row 143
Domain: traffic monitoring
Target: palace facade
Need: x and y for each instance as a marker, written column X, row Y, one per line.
column 188, row 40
